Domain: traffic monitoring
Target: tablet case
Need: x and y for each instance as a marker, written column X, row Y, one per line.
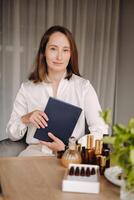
column 62, row 120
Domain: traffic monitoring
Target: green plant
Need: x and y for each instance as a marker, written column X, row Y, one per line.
column 122, row 141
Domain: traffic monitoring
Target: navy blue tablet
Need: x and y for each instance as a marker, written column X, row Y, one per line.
column 62, row 120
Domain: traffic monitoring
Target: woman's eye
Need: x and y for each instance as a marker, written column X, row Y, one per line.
column 53, row 49
column 66, row 50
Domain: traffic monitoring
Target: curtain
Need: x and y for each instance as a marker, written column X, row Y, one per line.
column 94, row 24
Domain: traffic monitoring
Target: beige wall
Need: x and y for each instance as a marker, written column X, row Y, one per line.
column 125, row 79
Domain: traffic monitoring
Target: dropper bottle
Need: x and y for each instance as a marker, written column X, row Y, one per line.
column 71, row 155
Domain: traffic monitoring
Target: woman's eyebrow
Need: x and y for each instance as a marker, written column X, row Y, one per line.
column 66, row 47
column 53, row 45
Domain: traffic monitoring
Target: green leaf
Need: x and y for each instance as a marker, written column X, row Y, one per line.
column 106, row 115
column 109, row 139
column 132, row 156
column 132, row 131
column 119, row 129
column 122, row 142
column 131, row 123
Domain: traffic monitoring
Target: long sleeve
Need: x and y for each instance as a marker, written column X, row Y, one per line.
column 15, row 128
column 92, row 109
column 76, row 91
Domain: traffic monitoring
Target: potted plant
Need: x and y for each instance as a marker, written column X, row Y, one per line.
column 122, row 154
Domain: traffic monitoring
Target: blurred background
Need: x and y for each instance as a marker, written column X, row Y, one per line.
column 104, row 34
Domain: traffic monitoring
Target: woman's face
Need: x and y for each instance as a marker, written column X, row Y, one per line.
column 57, row 52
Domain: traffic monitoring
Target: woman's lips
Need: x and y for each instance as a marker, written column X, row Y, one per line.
column 57, row 63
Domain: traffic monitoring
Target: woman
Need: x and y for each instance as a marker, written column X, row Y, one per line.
column 56, row 74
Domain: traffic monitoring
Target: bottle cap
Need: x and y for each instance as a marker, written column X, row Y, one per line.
column 105, row 145
column 71, row 171
column 106, row 152
column 77, row 171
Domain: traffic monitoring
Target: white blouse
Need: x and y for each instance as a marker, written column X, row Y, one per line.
column 77, row 91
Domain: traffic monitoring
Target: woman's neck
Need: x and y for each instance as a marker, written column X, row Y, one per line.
column 55, row 77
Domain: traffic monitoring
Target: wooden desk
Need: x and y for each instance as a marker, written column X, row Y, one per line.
column 40, row 178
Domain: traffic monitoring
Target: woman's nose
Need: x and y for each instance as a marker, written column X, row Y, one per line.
column 59, row 55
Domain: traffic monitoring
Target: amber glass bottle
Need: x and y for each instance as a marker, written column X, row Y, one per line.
column 71, row 155
column 98, row 152
column 106, row 152
column 90, row 140
column 102, row 164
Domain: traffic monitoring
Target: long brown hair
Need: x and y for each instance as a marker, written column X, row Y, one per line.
column 40, row 66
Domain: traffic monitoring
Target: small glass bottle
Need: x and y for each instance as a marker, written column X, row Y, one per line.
column 102, row 165
column 84, row 155
column 98, row 152
column 71, row 155
column 90, row 141
column 106, row 152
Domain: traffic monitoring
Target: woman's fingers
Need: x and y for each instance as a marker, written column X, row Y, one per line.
column 41, row 121
column 34, row 123
column 43, row 115
column 38, row 118
column 56, row 145
column 54, row 138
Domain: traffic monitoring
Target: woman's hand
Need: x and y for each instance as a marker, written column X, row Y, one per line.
column 56, row 145
column 37, row 118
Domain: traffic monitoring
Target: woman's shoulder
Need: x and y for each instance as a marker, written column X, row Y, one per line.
column 80, row 80
column 30, row 85
column 27, row 84
column 83, row 85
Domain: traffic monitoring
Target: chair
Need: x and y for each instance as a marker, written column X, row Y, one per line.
column 10, row 148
